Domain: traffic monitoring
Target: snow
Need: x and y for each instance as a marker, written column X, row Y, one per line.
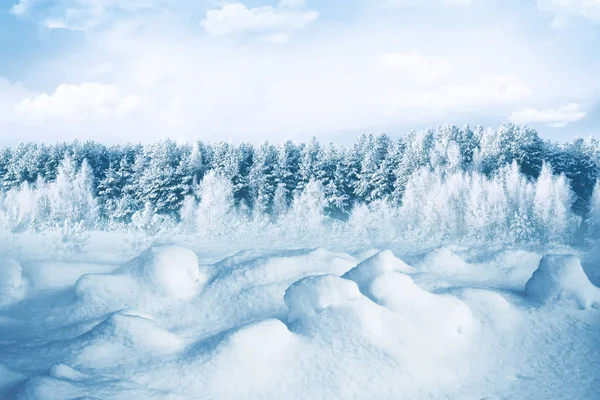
column 160, row 274
column 12, row 284
column 310, row 296
column 171, row 270
column 442, row 313
column 178, row 322
column 561, row 278
column 365, row 272
column 121, row 338
column 66, row 372
column 443, row 260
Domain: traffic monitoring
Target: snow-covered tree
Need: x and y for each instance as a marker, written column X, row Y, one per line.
column 263, row 178
column 71, row 196
column 214, row 213
column 307, row 212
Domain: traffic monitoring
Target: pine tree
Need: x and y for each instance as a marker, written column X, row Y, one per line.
column 288, row 168
column 263, row 178
column 311, row 156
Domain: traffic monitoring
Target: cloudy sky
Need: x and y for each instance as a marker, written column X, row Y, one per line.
column 137, row 70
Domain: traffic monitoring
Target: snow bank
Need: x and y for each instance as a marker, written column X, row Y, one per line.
column 490, row 308
column 443, row 261
column 102, row 293
column 443, row 313
column 48, row 388
column 170, row 270
column 52, row 275
column 365, row 272
column 252, row 356
column 12, row 284
column 122, row 337
column 312, row 295
column 383, row 278
column 247, row 268
column 562, row 278
column 273, row 322
column 8, row 379
column 66, row 372
column 362, row 255
column 157, row 276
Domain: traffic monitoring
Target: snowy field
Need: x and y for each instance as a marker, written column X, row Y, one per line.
column 180, row 320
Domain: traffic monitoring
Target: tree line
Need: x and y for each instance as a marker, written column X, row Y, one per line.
column 110, row 186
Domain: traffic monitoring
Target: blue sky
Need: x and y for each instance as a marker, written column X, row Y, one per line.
column 138, row 70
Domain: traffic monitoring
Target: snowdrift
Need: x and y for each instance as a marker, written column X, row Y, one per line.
column 12, row 284
column 561, row 278
column 121, row 338
column 262, row 324
column 365, row 272
column 158, row 276
column 310, row 296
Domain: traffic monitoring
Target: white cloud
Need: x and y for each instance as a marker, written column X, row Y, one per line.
column 79, row 103
column 273, row 24
column 164, row 76
column 76, row 14
column 451, row 3
column 556, row 118
column 10, row 94
column 483, row 92
column 561, row 8
column 423, row 69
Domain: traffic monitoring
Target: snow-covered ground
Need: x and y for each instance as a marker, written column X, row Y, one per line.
column 186, row 321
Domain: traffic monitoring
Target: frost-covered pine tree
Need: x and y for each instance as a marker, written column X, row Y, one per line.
column 18, row 209
column 263, row 178
column 280, row 201
column 307, row 213
column 416, row 150
column 311, row 157
column 188, row 214
column 71, row 196
column 288, row 167
column 593, row 220
column 243, row 158
column 158, row 177
column 552, row 205
column 215, row 212
column 197, row 163
column 385, row 176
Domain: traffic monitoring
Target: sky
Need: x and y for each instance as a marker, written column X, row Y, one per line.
column 255, row 70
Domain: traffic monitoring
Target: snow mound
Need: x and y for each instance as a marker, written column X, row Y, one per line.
column 443, row 261
column 256, row 357
column 252, row 345
column 171, row 270
column 150, row 281
column 284, row 266
column 66, row 372
column 310, row 296
column 121, row 337
column 444, row 313
column 365, row 272
column 562, row 278
column 101, row 293
column 490, row 307
column 8, row 378
column 247, row 341
column 362, row 255
column 517, row 258
column 12, row 284
column 47, row 388
column 55, row 275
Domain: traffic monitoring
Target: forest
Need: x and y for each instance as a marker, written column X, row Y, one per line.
column 505, row 184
